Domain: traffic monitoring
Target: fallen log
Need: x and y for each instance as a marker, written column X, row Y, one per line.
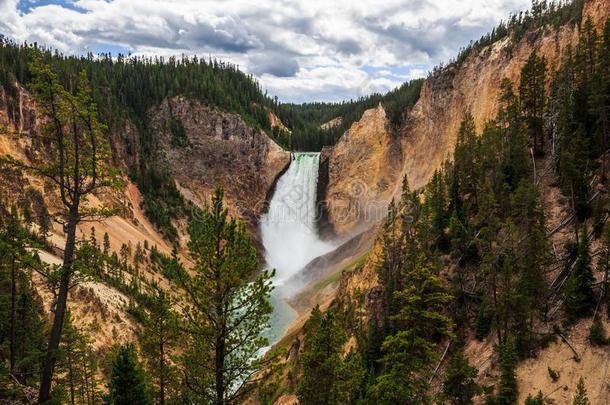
column 565, row 339
column 439, row 363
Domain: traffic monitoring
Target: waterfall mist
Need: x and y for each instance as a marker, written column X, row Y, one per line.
column 289, row 234
column 289, row 229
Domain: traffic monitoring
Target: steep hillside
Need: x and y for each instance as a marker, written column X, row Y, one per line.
column 360, row 172
column 428, row 140
column 474, row 86
column 218, row 148
column 429, row 134
column 204, row 147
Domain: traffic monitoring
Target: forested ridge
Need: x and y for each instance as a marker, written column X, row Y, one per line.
column 306, row 120
column 469, row 256
column 127, row 87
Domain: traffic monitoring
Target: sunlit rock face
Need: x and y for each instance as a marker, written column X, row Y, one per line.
column 431, row 130
column 363, row 170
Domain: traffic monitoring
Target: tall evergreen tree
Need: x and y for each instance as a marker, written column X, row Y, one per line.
column 76, row 163
column 159, row 338
column 532, row 98
column 508, row 391
column 421, row 326
column 78, row 365
column 16, row 257
column 460, row 387
column 226, row 307
column 513, row 151
column 579, row 298
column 321, row 360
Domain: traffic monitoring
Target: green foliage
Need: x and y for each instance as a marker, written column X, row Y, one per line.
column 579, row 298
column 22, row 321
column 226, row 307
column 597, row 333
column 126, row 88
column 580, row 396
column 542, row 13
column 460, row 386
column 305, row 120
column 78, row 365
column 532, row 97
column 128, row 385
column 179, row 137
column 483, row 322
column 508, row 392
column 420, row 325
column 554, row 374
column 158, row 340
column 162, row 202
column 537, row 400
column 327, row 377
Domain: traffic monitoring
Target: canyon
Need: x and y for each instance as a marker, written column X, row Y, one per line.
column 346, row 189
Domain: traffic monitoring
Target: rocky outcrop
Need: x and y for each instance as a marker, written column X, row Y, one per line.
column 335, row 122
column 204, row 147
column 276, row 122
column 363, row 168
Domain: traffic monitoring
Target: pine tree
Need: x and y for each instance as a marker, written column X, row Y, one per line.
column 226, row 307
column 513, row 148
column 580, row 396
column 597, row 333
column 579, row 298
column 437, row 201
column 159, row 338
column 600, row 99
column 460, row 386
column 421, row 325
column 78, row 365
column 389, row 266
column 127, row 384
column 321, row 359
column 537, row 400
column 534, row 256
column 16, row 257
column 507, row 386
column 532, row 99
column 78, row 153
column 466, row 166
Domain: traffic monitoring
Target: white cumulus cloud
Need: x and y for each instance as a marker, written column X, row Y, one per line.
column 300, row 51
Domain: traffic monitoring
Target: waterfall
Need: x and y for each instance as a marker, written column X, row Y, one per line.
column 289, row 233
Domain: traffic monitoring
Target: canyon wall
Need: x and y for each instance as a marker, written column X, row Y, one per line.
column 362, row 169
column 216, row 148
column 431, row 130
column 369, row 161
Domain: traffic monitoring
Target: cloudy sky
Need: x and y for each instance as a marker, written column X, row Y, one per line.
column 326, row 50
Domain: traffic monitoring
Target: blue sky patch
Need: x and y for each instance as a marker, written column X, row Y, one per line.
column 113, row 49
column 26, row 6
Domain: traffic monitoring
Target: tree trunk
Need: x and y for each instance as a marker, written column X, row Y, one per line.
column 60, row 309
column 220, row 361
column 71, row 374
column 13, row 314
column 161, row 366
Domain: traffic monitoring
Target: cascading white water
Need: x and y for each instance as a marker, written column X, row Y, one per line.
column 289, row 233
